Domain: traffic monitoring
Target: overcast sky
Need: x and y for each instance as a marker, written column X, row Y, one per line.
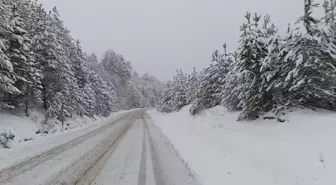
column 159, row 36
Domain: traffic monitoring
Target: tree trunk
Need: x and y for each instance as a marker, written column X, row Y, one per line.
column 26, row 102
column 44, row 97
column 62, row 116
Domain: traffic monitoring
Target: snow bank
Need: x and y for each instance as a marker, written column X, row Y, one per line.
column 25, row 128
column 31, row 148
column 223, row 151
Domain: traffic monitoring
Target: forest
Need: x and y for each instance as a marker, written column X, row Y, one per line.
column 269, row 72
column 43, row 67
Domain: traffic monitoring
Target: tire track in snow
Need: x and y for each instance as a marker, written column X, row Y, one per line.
column 143, row 165
column 85, row 169
column 9, row 173
column 168, row 165
column 158, row 176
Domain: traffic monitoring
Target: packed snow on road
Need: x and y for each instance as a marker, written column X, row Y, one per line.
column 214, row 94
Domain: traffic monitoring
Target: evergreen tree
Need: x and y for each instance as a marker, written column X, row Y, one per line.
column 231, row 88
column 104, row 96
column 330, row 12
column 25, row 67
column 273, row 75
column 18, row 64
column 148, row 89
column 180, row 86
column 92, row 58
column 212, row 83
column 167, row 101
column 41, row 63
column 175, row 93
column 268, row 71
column 251, row 53
column 119, row 69
column 310, row 65
column 192, row 86
column 59, row 83
column 7, row 75
column 119, row 73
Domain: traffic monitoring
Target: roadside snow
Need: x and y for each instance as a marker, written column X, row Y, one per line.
column 31, row 148
column 59, row 162
column 22, row 127
column 264, row 152
column 25, row 128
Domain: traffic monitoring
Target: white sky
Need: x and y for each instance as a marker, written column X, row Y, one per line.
column 159, row 36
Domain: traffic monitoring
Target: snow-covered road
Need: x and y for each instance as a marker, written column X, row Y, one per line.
column 130, row 150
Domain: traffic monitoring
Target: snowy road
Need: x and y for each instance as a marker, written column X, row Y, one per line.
column 130, row 150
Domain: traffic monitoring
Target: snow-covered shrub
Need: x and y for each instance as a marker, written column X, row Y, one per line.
column 49, row 126
column 6, row 137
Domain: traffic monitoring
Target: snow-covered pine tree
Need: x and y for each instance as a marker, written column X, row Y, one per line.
column 309, row 22
column 149, row 88
column 134, row 99
column 45, row 48
column 273, row 73
column 89, row 97
column 17, row 44
column 212, row 84
column 145, row 101
column 192, row 86
column 251, row 53
column 59, row 84
column 269, row 68
column 231, row 87
column 330, row 12
column 102, row 85
column 92, row 58
column 310, row 64
column 174, row 95
column 180, row 94
column 7, row 75
column 105, row 97
column 77, row 59
column 119, row 73
column 19, row 52
column 92, row 61
column 36, row 47
column 115, row 64
column 328, row 22
column 139, row 96
column 93, row 64
column 167, row 98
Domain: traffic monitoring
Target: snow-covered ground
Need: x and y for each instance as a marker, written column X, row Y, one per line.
column 40, row 144
column 22, row 127
column 221, row 150
column 144, row 157
column 123, row 165
column 25, row 128
column 128, row 149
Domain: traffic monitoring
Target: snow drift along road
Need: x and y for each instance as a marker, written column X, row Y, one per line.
column 221, row 150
